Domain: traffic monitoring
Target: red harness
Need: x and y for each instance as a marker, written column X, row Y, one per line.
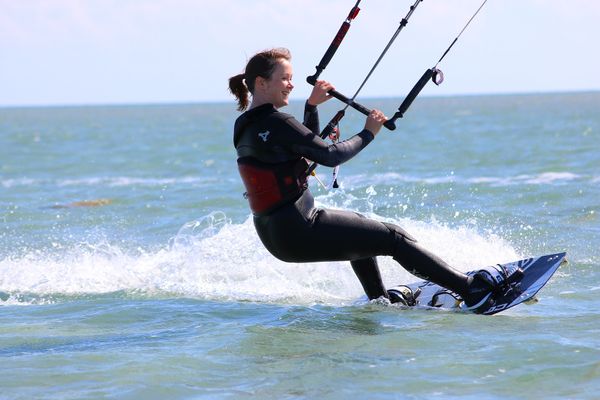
column 269, row 186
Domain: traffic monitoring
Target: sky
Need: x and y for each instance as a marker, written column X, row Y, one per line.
column 71, row 52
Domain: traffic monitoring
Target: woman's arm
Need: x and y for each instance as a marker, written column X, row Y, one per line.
column 337, row 153
column 311, row 118
column 299, row 140
column 318, row 96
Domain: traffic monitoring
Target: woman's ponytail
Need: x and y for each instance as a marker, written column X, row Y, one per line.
column 261, row 64
column 238, row 88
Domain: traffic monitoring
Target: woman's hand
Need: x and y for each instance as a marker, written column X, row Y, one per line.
column 319, row 93
column 375, row 121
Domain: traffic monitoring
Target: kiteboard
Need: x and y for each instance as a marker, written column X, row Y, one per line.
column 526, row 278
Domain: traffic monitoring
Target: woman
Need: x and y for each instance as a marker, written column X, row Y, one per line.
column 273, row 149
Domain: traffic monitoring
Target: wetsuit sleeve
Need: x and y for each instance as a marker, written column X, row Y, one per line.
column 311, row 118
column 299, row 140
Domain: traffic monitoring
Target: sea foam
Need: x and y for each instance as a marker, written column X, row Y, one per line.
column 216, row 259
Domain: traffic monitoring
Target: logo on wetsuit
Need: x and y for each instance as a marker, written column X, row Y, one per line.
column 264, row 135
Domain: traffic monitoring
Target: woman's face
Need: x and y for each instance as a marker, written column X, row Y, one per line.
column 276, row 90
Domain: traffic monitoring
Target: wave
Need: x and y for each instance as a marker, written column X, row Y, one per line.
column 544, row 178
column 215, row 259
column 114, row 181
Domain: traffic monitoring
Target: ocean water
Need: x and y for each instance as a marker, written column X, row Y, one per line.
column 130, row 268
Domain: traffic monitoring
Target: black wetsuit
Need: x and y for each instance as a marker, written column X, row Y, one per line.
column 296, row 231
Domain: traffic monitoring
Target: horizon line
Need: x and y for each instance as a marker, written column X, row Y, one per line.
column 292, row 100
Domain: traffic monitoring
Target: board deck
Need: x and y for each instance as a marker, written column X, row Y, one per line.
column 537, row 271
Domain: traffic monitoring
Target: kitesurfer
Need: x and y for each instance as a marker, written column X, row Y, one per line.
column 273, row 149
